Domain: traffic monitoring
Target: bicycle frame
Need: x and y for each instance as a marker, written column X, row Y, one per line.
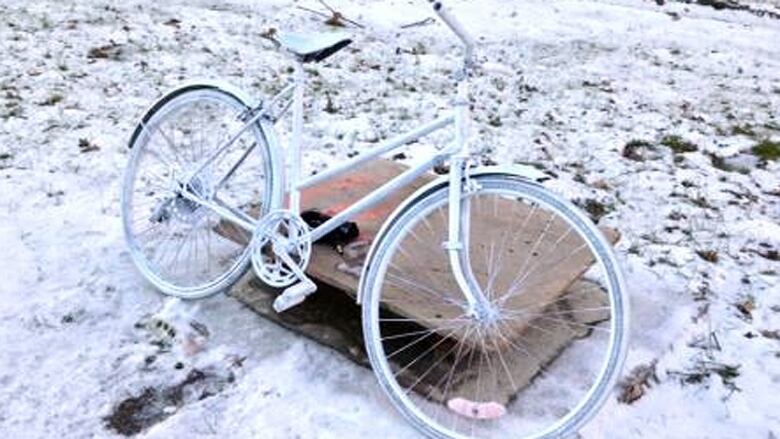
column 457, row 153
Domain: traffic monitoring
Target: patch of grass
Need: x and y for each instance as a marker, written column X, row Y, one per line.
column 772, row 255
column 495, row 121
column 767, row 150
column 111, row 51
column 677, row 216
column 136, row 414
column 174, row 22
column 86, row 146
column 52, row 100
column 702, row 371
column 678, row 144
column 743, row 130
column 634, row 386
column 330, row 107
column 596, row 209
column 635, row 149
column 132, row 415
column 487, row 161
column 13, row 109
column 774, row 335
column 701, row 202
column 708, row 255
column 728, row 373
column 746, row 306
column 721, row 163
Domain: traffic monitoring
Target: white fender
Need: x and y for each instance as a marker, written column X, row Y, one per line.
column 266, row 127
column 223, row 85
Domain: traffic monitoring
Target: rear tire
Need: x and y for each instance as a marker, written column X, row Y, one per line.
column 184, row 249
column 443, row 369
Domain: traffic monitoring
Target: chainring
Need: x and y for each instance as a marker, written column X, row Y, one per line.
column 280, row 230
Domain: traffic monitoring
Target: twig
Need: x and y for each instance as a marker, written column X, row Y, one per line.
column 321, row 14
column 270, row 35
column 426, row 22
column 335, row 18
column 332, row 11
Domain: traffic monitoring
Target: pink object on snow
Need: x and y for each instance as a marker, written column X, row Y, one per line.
column 476, row 410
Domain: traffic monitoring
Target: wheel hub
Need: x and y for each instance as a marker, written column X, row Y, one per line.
column 486, row 313
column 178, row 207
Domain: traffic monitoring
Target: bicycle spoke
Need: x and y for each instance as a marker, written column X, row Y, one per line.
column 183, row 251
column 515, row 367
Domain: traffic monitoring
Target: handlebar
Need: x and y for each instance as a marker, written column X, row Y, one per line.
column 456, row 27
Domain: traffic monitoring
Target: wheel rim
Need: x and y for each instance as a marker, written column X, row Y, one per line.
column 444, row 352
column 183, row 248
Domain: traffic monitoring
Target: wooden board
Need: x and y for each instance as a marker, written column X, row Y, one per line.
column 329, row 266
column 546, row 255
column 551, row 256
column 527, row 258
column 555, row 258
column 499, row 375
column 333, row 319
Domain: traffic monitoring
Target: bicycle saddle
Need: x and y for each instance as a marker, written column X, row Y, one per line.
column 312, row 47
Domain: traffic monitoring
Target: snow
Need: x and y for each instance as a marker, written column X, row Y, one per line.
column 591, row 77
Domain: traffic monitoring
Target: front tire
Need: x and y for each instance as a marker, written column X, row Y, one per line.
column 544, row 364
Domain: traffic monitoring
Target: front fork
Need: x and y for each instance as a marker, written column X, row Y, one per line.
column 458, row 239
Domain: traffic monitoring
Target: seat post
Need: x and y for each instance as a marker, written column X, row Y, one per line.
column 294, row 155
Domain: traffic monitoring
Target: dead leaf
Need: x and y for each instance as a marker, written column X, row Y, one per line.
column 111, row 50
column 173, row 22
column 86, row 146
column 634, row 386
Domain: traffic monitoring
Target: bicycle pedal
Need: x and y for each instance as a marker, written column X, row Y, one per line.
column 294, row 295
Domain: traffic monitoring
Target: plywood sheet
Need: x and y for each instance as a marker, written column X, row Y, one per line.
column 522, row 255
column 334, row 320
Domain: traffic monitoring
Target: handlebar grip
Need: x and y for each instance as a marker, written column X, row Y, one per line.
column 453, row 24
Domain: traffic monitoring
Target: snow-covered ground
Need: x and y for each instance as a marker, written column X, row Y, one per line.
column 699, row 242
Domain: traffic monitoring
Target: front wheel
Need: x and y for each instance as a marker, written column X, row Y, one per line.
column 545, row 351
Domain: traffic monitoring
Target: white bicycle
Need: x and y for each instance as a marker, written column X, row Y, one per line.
column 491, row 306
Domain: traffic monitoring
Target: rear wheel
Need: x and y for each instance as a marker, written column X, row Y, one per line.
column 541, row 356
column 182, row 246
